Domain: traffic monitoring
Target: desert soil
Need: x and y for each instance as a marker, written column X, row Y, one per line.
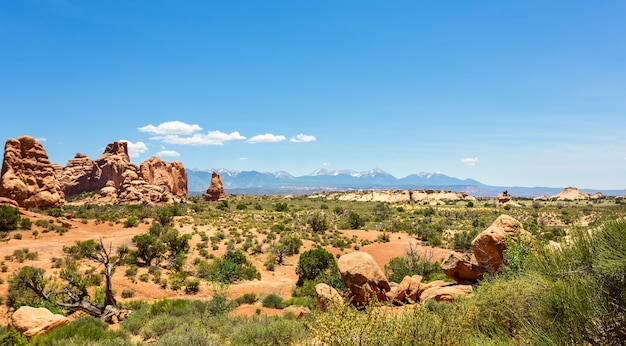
column 281, row 281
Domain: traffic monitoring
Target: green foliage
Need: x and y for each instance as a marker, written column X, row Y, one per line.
column 273, row 301
column 313, row 263
column 26, row 223
column 381, row 212
column 223, row 205
column 232, row 267
column 13, row 338
column 355, row 220
column 281, row 206
column 269, row 331
column 82, row 331
column 149, row 248
column 318, row 222
column 247, row 298
column 9, row 218
column 25, row 286
column 412, row 264
column 131, row 222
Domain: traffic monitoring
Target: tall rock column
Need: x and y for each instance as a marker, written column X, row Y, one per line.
column 27, row 175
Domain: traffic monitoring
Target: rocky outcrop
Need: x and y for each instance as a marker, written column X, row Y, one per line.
column 488, row 246
column 399, row 196
column 118, row 180
column 447, row 293
column 363, row 277
column 487, row 254
column 31, row 322
column 171, row 175
column 327, row 296
column 215, row 192
column 462, row 268
column 573, row 194
column 409, row 289
column 27, row 176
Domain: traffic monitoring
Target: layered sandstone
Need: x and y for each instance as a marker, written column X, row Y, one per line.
column 27, row 176
column 215, row 192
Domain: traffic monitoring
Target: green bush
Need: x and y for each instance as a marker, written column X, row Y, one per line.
column 131, row 222
column 269, row 331
column 12, row 338
column 247, row 298
column 273, row 301
column 9, row 218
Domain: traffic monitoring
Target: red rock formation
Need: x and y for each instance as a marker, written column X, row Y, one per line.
column 462, row 267
column 488, row 246
column 27, row 175
column 119, row 180
column 76, row 176
column 363, row 277
column 215, row 192
column 170, row 175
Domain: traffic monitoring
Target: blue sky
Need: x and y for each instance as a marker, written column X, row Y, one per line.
column 527, row 93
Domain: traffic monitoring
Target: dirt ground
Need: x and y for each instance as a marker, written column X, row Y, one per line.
column 281, row 281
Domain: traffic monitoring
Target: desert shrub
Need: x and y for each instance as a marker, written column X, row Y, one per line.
column 9, row 218
column 223, row 205
column 281, row 206
column 463, row 240
column 25, row 223
column 247, row 298
column 232, row 267
column 145, row 277
column 269, row 331
column 450, row 324
column 131, row 222
column 12, row 338
column 149, row 248
column 192, row 286
column 381, row 211
column 128, row 293
column 313, row 263
column 85, row 330
column 412, row 264
column 318, row 222
column 273, row 301
column 17, row 236
column 355, row 221
column 191, row 335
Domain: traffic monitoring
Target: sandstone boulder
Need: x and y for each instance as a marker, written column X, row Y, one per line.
column 462, row 267
column 446, row 293
column 327, row 296
column 408, row 290
column 31, row 321
column 215, row 192
column 488, row 246
column 27, row 176
column 9, row 202
column 363, row 277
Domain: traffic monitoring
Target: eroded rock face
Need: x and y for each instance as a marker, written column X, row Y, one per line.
column 408, row 290
column 462, row 267
column 76, row 177
column 27, row 176
column 446, row 293
column 31, row 321
column 170, row 175
column 118, row 180
column 327, row 296
column 363, row 277
column 488, row 246
column 215, row 192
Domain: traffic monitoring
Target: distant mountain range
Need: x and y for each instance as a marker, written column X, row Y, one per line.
column 281, row 183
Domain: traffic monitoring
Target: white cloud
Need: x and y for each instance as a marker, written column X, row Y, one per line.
column 325, row 164
column 41, row 139
column 302, row 138
column 171, row 128
column 135, row 149
column 168, row 153
column 210, row 138
column 470, row 161
column 266, row 138
column 243, row 159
